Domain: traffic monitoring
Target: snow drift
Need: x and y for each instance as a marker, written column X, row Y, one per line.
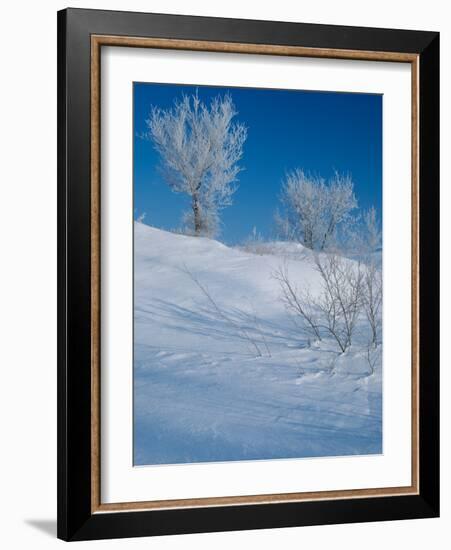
column 222, row 372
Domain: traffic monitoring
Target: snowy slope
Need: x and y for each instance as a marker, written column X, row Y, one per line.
column 235, row 379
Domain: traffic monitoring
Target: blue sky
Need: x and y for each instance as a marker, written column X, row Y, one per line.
column 319, row 132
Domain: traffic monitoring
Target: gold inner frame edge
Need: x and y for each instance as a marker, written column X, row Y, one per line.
column 97, row 41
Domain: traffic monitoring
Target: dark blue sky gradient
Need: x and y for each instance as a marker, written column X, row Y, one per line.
column 317, row 131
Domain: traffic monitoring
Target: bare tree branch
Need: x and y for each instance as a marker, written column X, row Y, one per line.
column 337, row 307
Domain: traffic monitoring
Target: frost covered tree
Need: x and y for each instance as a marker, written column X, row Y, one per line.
column 372, row 237
column 141, row 217
column 372, row 232
column 315, row 208
column 361, row 236
column 200, row 147
column 372, row 301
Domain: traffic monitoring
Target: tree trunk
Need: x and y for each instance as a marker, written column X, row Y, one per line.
column 328, row 234
column 308, row 238
column 196, row 216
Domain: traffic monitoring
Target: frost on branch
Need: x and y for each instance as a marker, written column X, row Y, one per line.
column 315, row 208
column 200, row 148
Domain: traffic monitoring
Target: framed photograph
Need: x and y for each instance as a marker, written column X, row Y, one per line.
column 248, row 274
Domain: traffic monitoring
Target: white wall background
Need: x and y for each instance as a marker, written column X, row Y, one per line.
column 28, row 273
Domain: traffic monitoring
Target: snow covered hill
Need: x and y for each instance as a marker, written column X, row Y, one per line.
column 222, row 372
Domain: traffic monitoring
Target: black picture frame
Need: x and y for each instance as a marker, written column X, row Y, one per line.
column 76, row 521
